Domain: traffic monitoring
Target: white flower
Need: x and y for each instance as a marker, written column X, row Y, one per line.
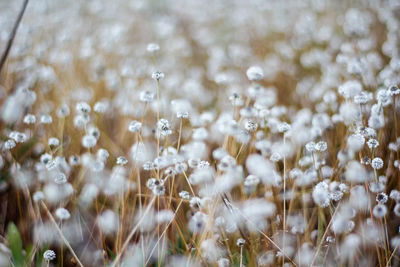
column 100, row 107
column 89, row 141
column 107, row 222
column 182, row 114
column 164, row 127
column 63, row 111
column 54, row 141
column 146, row 96
column 372, row 143
column 29, row 119
column 283, row 127
column 83, row 107
column 394, row 90
column 18, row 137
column 355, row 172
column 102, row 155
column 321, row 146
column 350, row 89
column 157, row 75
column 240, row 242
column 349, row 112
column 134, row 126
column 184, row 195
column 379, row 211
column 62, row 214
column 321, row 194
column 152, row 47
column 122, row 160
column 46, row 119
column 9, row 144
column 49, row 255
column 310, row 146
column 60, row 178
column 254, row 73
column 377, row 163
column 37, row 196
column 355, row 142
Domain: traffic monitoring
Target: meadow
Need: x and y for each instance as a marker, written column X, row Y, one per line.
column 199, row 133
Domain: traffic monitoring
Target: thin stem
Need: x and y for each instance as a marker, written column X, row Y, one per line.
column 284, row 198
column 190, row 186
column 241, row 256
column 261, row 232
column 61, row 234
column 12, row 34
column 180, row 135
column 323, row 236
column 126, row 243
column 162, row 234
column 157, row 131
column 395, row 115
column 158, row 231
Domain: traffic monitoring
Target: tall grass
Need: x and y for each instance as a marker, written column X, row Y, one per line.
column 200, row 133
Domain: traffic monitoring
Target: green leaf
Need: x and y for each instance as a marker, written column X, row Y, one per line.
column 29, row 255
column 39, row 255
column 111, row 254
column 15, row 244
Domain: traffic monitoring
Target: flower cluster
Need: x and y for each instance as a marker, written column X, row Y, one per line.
column 248, row 133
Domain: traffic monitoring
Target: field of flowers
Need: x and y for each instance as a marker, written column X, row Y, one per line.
column 188, row 133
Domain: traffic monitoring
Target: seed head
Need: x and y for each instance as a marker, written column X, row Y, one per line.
column 377, row 163
column 250, row 125
column 101, row 107
column 102, row 155
column 240, row 242
column 60, row 178
column 184, row 195
column 321, row 194
column 379, row 211
column 350, row 89
column 157, row 75
column 89, row 141
column 29, row 119
column 74, row 160
column 394, row 90
column 372, row 143
column 63, row 111
column 321, row 146
column 37, row 196
column 134, row 126
column 254, row 73
column 381, row 198
column 9, row 144
column 83, row 107
column 152, row 47
column 164, row 127
column 236, row 100
column 122, row 160
column 146, row 96
column 53, row 141
column 49, row 255
column 396, row 209
column 182, row 114
column 46, row 119
column 310, row 147
column 63, row 214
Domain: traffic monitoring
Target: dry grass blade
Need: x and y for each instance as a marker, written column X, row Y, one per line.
column 6, row 51
column 61, row 234
column 261, row 232
column 128, row 239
